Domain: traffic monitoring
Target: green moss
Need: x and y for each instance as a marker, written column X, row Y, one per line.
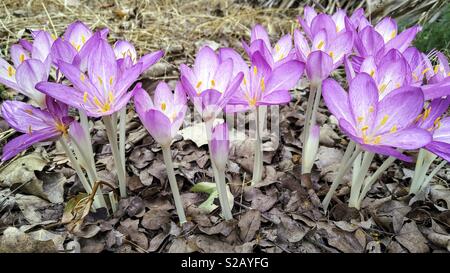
column 436, row 35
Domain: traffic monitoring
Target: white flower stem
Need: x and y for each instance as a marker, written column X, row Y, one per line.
column 222, row 191
column 112, row 137
column 87, row 187
column 417, row 171
column 356, row 167
column 173, row 184
column 310, row 121
column 339, row 177
column 359, row 181
column 122, row 137
column 370, row 180
column 426, row 159
column 258, row 159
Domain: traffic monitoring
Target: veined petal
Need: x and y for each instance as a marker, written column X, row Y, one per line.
column 282, row 48
column 339, row 19
column 68, row 95
column 437, row 90
column 370, row 42
column 309, row 14
column 102, row 67
column 392, row 73
column 409, row 139
column 285, row 77
column 18, row 54
column 398, row 110
column 324, row 21
column 77, row 34
column 8, row 74
column 24, row 117
column 142, row 101
column 79, row 80
column 150, row 59
column 220, row 145
column 301, row 45
column 403, row 40
column 336, row 100
column 340, row 46
column 126, row 79
column 320, row 41
column 163, row 98
column 441, row 149
column 276, row 97
column 42, row 45
column 434, row 111
column 123, row 48
column 205, row 64
column 239, row 65
column 363, row 101
column 56, row 108
column 221, row 78
column 442, row 134
column 387, row 151
column 62, row 51
column 259, row 33
column 318, row 66
column 20, row 143
column 28, row 74
column 158, row 125
column 387, row 28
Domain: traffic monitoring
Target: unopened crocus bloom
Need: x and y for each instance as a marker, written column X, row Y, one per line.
column 37, row 125
column 379, row 126
column 101, row 91
column 274, row 56
column 261, row 84
column 163, row 115
column 210, row 83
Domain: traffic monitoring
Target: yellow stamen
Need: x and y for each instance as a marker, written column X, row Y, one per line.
column 29, row 111
column 384, row 120
column 377, row 140
column 22, row 58
column 393, row 129
column 397, row 85
column 425, row 70
column 255, row 70
column 198, row 84
column 111, row 79
column 82, row 77
column 448, row 74
column 213, row 83
column 111, row 97
column 371, row 109
column 100, row 80
column 436, row 69
column 331, row 54
column 53, row 36
column 393, row 34
column 244, row 81
column 83, row 39
column 11, row 71
column 78, row 47
column 277, row 48
column 252, row 102
column 98, row 103
column 419, row 117
column 30, row 131
column 85, row 97
column 415, row 76
column 382, row 87
column 364, row 128
column 61, row 127
column 163, row 106
column 320, row 45
column 427, row 112
column 372, row 72
column 263, row 85
column 360, row 119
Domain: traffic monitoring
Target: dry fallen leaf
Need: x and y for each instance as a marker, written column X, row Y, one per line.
column 249, row 224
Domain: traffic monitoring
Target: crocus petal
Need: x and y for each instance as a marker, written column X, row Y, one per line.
column 275, row 98
column 42, row 45
column 24, row 117
column 399, row 109
column 392, row 73
column 56, row 108
column 220, row 145
column 222, row 77
column 301, row 45
column 369, row 42
column 18, row 54
column 86, row 51
column 150, row 59
column 363, row 100
column 285, row 77
column 259, row 33
column 263, row 68
column 102, row 67
column 282, row 48
column 62, row 51
column 126, row 79
column 336, row 100
column 7, row 75
column 409, row 139
column 158, row 125
column 142, row 101
column 442, row 134
column 340, row 46
column 349, row 69
column 232, row 88
column 369, row 66
column 163, row 96
column 239, row 65
column 387, row 151
column 26, row 44
column 79, row 80
column 205, row 63
column 68, row 95
column 318, row 66
column 339, row 19
column 403, row 40
column 20, row 143
column 28, row 74
column 441, row 149
column 387, row 28
column 324, row 21
column 77, row 34
column 435, row 110
column 437, row 90
column 309, row 13
column 123, row 49
column 320, row 41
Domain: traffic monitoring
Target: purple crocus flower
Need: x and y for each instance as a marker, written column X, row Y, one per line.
column 433, row 121
column 36, row 124
column 274, row 56
column 379, row 126
column 163, row 115
column 101, row 91
column 261, row 84
column 220, row 146
column 210, row 83
column 312, row 22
